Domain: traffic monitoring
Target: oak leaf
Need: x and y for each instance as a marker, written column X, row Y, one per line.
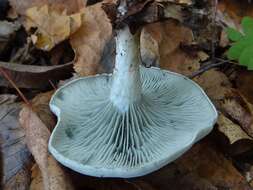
column 37, row 136
column 89, row 41
column 53, row 25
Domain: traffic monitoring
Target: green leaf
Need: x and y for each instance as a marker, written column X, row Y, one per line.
column 233, row 34
column 242, row 48
column 247, row 25
column 235, row 51
column 246, row 56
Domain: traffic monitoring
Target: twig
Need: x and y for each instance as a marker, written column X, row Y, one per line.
column 206, row 68
column 52, row 84
column 8, row 78
column 214, row 13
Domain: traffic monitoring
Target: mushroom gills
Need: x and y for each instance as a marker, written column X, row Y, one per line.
column 173, row 113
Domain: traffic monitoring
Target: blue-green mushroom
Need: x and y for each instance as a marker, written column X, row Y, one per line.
column 131, row 122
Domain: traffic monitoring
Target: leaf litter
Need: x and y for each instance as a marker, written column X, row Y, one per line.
column 179, row 43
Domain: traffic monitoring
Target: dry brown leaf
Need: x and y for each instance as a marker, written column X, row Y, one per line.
column 37, row 135
column 14, row 155
column 53, row 26
column 173, row 11
column 231, row 130
column 232, row 11
column 32, row 76
column 160, row 44
column 72, row 6
column 20, row 181
column 207, row 162
column 203, row 167
column 244, row 81
column 215, row 84
column 57, row 178
column 90, row 40
column 40, row 105
column 228, row 100
column 237, row 107
column 37, row 181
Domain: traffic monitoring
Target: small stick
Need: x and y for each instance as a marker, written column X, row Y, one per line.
column 206, row 68
column 52, row 84
column 214, row 13
column 8, row 78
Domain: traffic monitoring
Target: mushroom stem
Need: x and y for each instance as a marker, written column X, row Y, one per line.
column 126, row 84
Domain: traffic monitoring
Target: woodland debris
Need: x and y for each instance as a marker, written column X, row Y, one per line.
column 72, row 6
column 161, row 45
column 7, row 29
column 37, row 135
column 20, row 181
column 15, row 157
column 31, row 76
column 243, row 80
column 231, row 130
column 89, row 41
column 53, row 26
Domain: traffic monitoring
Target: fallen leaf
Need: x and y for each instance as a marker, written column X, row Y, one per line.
column 37, row 181
column 20, row 181
column 89, row 41
column 53, row 26
column 227, row 99
column 237, row 107
column 173, row 11
column 7, row 98
column 31, row 76
column 231, row 12
column 72, row 6
column 15, row 157
column 244, row 79
column 207, row 162
column 231, row 130
column 40, row 105
column 37, row 136
column 161, row 46
column 215, row 89
column 175, row 177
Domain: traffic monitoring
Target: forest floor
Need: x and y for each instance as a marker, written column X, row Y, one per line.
column 46, row 43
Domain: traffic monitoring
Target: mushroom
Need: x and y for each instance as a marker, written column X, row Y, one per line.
column 131, row 122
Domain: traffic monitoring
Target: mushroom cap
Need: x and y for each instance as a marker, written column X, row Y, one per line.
column 92, row 137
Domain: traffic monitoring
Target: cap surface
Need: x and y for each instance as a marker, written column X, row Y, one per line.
column 92, row 137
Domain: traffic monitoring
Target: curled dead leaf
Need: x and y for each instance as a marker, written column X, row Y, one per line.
column 239, row 109
column 31, row 76
column 14, row 155
column 37, row 136
column 53, row 26
column 227, row 99
column 161, row 45
column 207, row 162
column 90, row 40
column 244, row 79
column 231, row 130
column 215, row 83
